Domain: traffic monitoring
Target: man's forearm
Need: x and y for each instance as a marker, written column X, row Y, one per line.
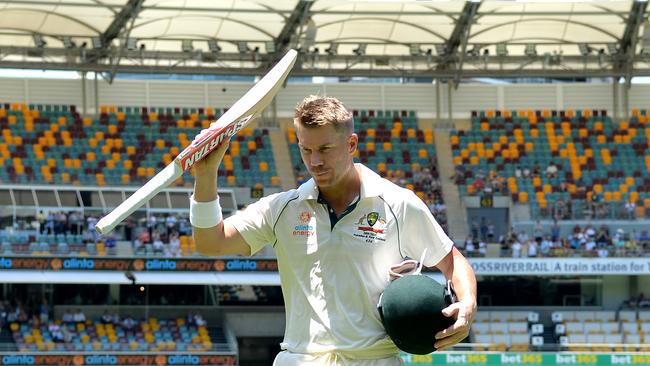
column 463, row 279
column 205, row 188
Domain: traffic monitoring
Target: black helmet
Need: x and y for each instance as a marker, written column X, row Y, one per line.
column 411, row 311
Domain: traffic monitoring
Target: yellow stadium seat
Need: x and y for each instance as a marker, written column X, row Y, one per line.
column 90, row 156
column 130, row 150
column 251, row 145
column 230, row 180
column 151, row 172
column 141, row 171
column 264, row 166
column 124, row 178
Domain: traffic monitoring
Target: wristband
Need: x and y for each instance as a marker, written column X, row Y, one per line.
column 205, row 214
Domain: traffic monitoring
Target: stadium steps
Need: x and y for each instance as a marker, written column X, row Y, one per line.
column 7, row 343
column 282, row 158
column 549, row 334
column 219, row 340
column 456, row 214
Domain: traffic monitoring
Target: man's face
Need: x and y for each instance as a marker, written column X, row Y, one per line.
column 326, row 153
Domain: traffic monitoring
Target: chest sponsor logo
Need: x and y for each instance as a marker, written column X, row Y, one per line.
column 303, row 228
column 371, row 227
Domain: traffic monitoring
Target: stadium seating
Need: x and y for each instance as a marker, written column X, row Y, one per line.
column 152, row 335
column 589, row 150
column 51, row 244
column 603, row 331
column 501, row 331
column 125, row 145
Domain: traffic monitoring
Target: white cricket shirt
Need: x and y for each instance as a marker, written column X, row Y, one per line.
column 332, row 277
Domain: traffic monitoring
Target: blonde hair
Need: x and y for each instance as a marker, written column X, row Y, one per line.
column 315, row 111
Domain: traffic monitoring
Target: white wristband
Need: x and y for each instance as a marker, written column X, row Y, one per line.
column 205, row 214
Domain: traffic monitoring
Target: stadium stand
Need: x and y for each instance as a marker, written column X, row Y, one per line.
column 152, row 335
column 565, row 164
column 125, row 145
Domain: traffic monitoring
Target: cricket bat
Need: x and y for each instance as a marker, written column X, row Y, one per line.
column 237, row 117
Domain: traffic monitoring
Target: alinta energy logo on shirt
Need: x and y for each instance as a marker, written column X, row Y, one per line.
column 370, row 227
column 303, row 228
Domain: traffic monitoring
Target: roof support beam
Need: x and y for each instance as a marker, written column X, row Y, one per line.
column 458, row 38
column 129, row 11
column 298, row 17
column 627, row 44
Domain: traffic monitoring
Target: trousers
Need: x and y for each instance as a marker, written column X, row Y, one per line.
column 286, row 358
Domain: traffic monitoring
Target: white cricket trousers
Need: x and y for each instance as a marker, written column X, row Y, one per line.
column 286, row 358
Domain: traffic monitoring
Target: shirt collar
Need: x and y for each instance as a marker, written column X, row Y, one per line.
column 371, row 184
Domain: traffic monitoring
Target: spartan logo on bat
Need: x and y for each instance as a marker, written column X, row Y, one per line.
column 205, row 142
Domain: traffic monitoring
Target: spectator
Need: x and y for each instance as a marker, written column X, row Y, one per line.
column 158, row 245
column 537, row 171
column 602, row 252
column 551, row 171
column 490, row 232
column 532, row 248
column 44, row 310
column 199, row 321
column 67, row 317
column 482, row 248
column 555, row 231
column 538, row 232
column 516, row 249
column 483, row 228
column 174, row 245
column 546, row 246
column 475, row 228
column 79, row 317
column 518, row 172
column 630, row 207
column 170, row 222
column 470, row 249
column 106, row 318
column 602, row 237
column 128, row 323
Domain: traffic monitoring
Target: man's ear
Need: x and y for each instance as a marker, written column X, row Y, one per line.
column 353, row 143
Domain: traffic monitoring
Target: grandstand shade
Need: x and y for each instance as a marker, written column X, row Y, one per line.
column 393, row 33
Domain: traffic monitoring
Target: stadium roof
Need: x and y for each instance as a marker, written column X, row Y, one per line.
column 449, row 39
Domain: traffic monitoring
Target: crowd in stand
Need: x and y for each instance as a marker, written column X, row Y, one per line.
column 587, row 241
column 594, row 207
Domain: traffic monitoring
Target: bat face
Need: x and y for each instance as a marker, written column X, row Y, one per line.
column 208, row 140
column 239, row 115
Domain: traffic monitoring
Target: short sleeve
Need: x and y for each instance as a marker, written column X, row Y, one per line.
column 421, row 230
column 255, row 222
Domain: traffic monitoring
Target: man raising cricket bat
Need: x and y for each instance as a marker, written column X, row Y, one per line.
column 336, row 237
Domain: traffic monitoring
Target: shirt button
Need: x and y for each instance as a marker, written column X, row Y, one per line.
column 331, row 210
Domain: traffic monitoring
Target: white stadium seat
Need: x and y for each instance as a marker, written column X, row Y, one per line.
column 627, row 316
column 610, row 327
column 575, row 327
column 605, row 315
column 481, row 328
column 630, row 328
column 584, row 316
column 518, row 327
column 498, row 328
column 592, row 327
